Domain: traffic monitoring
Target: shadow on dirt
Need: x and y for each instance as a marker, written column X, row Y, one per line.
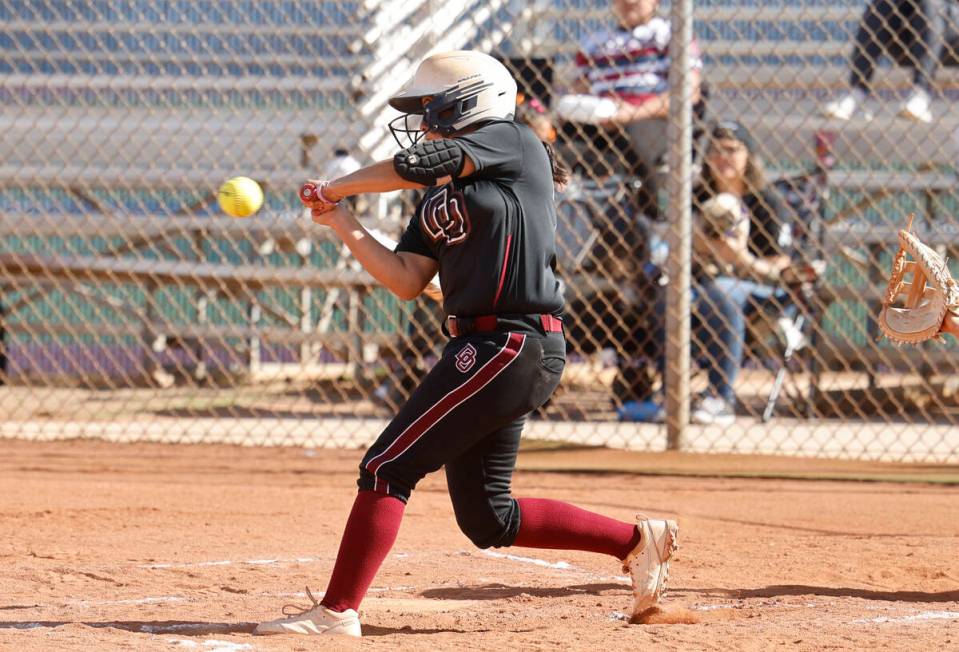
column 829, row 591
column 373, row 630
column 141, row 626
column 501, row 591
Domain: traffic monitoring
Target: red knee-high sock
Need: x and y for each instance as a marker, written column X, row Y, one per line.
column 545, row 523
column 370, row 532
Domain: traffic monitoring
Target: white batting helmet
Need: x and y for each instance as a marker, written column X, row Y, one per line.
column 465, row 87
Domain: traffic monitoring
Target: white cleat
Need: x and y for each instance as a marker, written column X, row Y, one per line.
column 313, row 621
column 648, row 563
column 713, row 410
column 916, row 108
column 845, row 108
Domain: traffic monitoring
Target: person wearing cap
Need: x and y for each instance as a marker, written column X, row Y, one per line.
column 739, row 266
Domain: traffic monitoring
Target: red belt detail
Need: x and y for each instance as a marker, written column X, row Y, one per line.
column 458, row 326
column 551, row 324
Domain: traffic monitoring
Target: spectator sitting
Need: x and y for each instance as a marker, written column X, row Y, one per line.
column 738, row 265
column 910, row 32
column 627, row 67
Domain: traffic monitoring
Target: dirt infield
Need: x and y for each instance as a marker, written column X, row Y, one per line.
column 153, row 547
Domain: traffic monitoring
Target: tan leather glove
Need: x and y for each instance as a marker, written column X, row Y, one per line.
column 931, row 306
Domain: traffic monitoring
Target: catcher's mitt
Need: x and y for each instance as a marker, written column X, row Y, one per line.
column 929, row 310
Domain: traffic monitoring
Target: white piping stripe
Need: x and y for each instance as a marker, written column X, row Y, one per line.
column 423, row 416
column 445, row 396
column 465, row 398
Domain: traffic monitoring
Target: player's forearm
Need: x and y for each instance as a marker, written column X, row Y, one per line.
column 657, row 107
column 384, row 265
column 579, row 85
column 379, row 177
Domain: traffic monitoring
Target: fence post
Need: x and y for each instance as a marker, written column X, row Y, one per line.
column 679, row 188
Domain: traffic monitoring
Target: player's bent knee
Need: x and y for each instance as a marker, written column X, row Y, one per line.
column 484, row 536
column 487, row 527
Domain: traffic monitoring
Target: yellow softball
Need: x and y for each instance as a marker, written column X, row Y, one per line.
column 240, row 197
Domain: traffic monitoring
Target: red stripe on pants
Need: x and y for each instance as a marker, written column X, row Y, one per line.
column 441, row 408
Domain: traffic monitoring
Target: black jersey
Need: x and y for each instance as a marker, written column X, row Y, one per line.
column 493, row 233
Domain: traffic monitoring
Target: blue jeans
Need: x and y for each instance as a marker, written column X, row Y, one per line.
column 746, row 298
column 720, row 309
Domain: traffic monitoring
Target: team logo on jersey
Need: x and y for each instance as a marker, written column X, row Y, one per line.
column 444, row 217
column 466, row 358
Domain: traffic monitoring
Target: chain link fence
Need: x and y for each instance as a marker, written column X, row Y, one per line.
column 133, row 309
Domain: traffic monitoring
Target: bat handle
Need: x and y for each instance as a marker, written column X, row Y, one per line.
column 308, row 191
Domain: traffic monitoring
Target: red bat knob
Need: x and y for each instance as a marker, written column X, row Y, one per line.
column 308, row 192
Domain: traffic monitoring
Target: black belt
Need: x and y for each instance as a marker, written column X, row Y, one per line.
column 459, row 326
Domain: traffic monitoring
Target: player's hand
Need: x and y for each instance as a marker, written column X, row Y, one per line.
column 327, row 214
column 315, row 195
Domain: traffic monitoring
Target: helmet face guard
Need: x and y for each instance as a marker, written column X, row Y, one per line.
column 406, row 129
column 446, row 113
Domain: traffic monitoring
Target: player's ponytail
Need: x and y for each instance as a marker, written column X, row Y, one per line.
column 533, row 114
column 560, row 173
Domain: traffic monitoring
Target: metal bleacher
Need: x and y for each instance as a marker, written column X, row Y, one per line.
column 171, row 94
column 115, row 116
column 143, row 91
column 140, row 92
column 124, row 119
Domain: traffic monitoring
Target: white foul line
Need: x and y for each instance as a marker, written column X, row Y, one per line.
column 559, row 565
column 228, row 562
column 924, row 615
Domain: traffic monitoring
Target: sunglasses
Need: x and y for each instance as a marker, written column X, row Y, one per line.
column 726, row 150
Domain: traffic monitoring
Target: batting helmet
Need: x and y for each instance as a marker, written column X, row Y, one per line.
column 464, row 87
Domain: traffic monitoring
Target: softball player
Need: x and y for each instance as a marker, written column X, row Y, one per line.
column 487, row 224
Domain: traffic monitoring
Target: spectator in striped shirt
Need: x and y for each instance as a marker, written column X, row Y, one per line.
column 629, row 64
